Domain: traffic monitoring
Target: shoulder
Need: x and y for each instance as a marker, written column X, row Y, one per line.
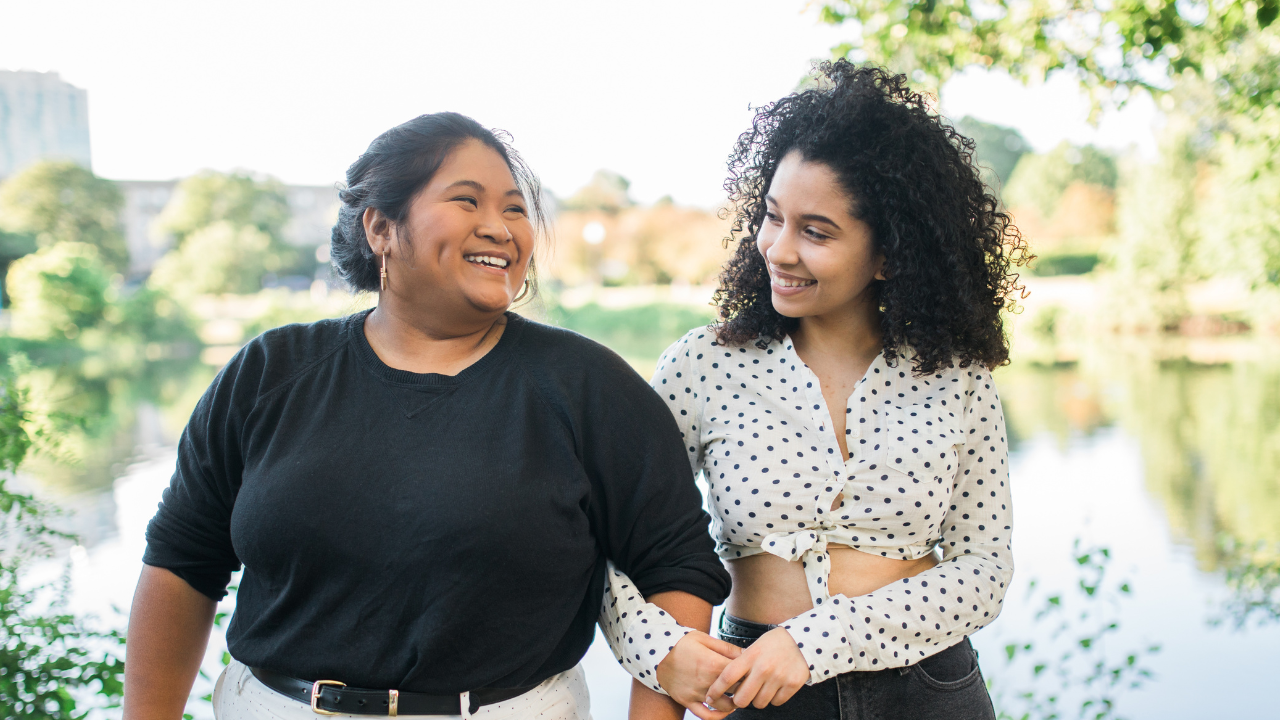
column 701, row 349
column 575, row 374
column 567, row 365
column 698, row 345
column 281, row 354
column 562, row 351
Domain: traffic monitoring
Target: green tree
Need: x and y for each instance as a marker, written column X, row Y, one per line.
column 228, row 230
column 59, row 290
column 1039, row 180
column 1114, row 46
column 46, row 654
column 55, row 202
column 237, row 198
column 218, row 258
column 997, row 150
column 1239, row 219
column 1208, row 207
column 607, row 191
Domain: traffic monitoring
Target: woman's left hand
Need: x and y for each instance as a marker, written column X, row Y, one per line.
column 767, row 673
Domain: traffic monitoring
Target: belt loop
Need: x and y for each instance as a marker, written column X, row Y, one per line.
column 465, row 702
column 393, row 703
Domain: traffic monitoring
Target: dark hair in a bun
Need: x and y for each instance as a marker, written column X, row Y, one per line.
column 399, row 163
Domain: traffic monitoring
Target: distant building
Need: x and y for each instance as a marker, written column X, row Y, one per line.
column 41, row 117
column 313, row 211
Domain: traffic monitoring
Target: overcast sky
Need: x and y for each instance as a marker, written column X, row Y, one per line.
column 654, row 90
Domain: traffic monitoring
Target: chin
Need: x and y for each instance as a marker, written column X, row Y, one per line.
column 789, row 308
column 490, row 303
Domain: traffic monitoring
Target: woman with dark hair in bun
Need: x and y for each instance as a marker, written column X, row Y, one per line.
column 843, row 411
column 435, row 500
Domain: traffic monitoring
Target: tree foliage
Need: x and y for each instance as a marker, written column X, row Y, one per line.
column 1040, row 180
column 55, row 202
column 228, row 230
column 64, row 290
column 46, row 654
column 218, row 258
column 1207, row 208
column 607, row 191
column 60, row 290
column 239, row 199
column 997, row 148
column 1120, row 45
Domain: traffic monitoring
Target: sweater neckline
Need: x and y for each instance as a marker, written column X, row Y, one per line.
column 364, row 351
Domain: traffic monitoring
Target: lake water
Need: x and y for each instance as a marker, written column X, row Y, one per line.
column 1147, row 530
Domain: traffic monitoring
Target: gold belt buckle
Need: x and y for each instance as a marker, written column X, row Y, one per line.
column 316, row 687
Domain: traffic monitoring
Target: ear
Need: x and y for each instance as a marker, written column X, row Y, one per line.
column 880, row 262
column 378, row 230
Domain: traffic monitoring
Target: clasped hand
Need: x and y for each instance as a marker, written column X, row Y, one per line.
column 712, row 678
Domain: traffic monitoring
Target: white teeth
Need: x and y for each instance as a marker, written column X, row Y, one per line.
column 486, row 260
column 793, row 283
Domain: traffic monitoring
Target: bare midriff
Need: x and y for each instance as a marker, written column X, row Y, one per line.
column 768, row 589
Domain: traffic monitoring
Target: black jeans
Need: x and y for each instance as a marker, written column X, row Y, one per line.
column 947, row 685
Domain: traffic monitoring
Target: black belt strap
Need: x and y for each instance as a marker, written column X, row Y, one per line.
column 327, row 697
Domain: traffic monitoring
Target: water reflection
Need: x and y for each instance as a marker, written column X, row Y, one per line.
column 104, row 416
column 1209, row 435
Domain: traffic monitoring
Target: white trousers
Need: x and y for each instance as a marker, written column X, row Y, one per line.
column 239, row 695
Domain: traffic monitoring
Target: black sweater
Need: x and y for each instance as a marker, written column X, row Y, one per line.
column 425, row 532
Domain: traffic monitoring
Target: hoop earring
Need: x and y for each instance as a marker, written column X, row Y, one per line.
column 524, row 290
column 382, row 276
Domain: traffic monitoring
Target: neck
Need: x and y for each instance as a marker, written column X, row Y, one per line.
column 852, row 331
column 426, row 342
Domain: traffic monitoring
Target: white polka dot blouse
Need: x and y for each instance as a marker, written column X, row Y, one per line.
column 927, row 468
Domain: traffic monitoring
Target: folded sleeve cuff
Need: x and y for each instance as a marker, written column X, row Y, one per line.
column 639, row 633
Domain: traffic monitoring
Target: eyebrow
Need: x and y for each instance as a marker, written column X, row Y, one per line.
column 480, row 188
column 810, row 217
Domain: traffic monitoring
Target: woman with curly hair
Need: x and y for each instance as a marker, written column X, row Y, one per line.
column 843, row 411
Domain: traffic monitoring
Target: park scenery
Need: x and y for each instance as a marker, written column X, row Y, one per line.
column 1143, row 396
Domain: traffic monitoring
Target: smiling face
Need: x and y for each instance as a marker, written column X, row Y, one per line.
column 468, row 238
column 821, row 258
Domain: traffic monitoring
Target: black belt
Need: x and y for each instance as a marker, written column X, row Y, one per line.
column 330, row 697
column 742, row 633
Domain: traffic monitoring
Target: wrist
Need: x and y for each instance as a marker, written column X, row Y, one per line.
column 821, row 639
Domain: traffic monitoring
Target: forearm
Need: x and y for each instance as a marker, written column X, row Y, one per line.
column 168, row 631
column 691, row 612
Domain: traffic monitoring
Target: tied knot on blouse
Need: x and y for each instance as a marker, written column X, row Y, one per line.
column 926, row 469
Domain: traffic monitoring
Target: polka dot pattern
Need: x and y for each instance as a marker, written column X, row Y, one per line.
column 927, row 467
column 639, row 633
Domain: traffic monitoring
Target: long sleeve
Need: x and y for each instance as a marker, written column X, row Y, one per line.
column 906, row 621
column 190, row 534
column 639, row 633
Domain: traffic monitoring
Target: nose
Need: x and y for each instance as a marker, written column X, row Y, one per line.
column 783, row 250
column 492, row 228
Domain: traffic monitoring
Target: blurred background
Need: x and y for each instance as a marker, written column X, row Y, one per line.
column 168, row 178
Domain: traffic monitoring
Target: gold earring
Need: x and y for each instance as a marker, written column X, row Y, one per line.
column 524, row 290
column 383, row 273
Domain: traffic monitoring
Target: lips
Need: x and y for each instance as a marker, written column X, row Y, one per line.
column 493, row 260
column 785, row 285
column 787, row 282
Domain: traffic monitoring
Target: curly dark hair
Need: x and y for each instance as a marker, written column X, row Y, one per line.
column 950, row 252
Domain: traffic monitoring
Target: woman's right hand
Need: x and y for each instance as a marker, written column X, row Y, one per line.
column 691, row 667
